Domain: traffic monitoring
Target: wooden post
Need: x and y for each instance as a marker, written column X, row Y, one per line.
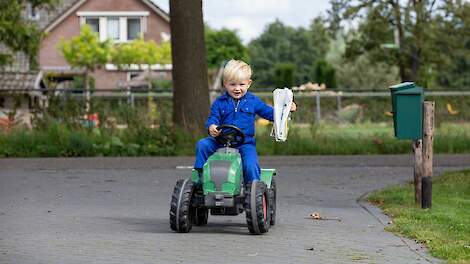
column 418, row 169
column 318, row 112
column 338, row 101
column 128, row 93
column 428, row 137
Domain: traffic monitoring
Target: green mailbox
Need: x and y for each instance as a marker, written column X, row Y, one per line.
column 407, row 104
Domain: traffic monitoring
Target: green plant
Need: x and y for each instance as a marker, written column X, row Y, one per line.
column 324, row 73
column 162, row 84
column 445, row 228
column 88, row 52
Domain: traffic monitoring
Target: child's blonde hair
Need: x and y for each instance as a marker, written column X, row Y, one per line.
column 236, row 70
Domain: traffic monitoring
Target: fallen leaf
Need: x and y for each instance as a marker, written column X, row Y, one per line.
column 315, row 215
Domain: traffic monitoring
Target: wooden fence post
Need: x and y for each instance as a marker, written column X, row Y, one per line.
column 418, row 168
column 338, row 101
column 428, row 137
column 318, row 109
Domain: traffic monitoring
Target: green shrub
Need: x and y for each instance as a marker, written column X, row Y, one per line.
column 162, row 84
column 284, row 75
column 324, row 73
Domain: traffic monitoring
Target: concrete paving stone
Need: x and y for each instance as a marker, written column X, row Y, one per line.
column 115, row 210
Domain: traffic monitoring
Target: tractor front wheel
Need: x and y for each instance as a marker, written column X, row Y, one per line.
column 181, row 211
column 257, row 208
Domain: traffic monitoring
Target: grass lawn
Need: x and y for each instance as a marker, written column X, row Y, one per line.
column 58, row 140
column 445, row 228
column 363, row 138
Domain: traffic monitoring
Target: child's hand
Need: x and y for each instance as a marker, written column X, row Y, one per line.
column 213, row 131
column 293, row 107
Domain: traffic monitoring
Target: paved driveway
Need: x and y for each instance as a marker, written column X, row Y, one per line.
column 115, row 210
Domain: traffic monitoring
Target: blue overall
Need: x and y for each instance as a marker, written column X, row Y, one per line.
column 226, row 111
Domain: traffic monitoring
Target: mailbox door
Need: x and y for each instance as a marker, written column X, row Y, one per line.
column 409, row 114
column 397, row 88
column 394, row 90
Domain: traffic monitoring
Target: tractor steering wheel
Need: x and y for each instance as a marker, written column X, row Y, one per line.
column 230, row 136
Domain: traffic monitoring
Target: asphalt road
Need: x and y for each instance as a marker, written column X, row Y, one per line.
column 115, row 210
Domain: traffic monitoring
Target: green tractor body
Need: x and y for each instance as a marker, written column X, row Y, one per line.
column 232, row 164
column 221, row 190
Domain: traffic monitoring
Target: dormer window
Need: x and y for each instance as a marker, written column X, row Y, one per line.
column 118, row 26
column 33, row 13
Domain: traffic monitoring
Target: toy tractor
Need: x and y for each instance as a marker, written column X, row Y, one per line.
column 220, row 190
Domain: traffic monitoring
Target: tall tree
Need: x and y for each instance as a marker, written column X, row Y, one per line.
column 222, row 45
column 403, row 26
column 453, row 40
column 280, row 44
column 190, row 82
column 17, row 33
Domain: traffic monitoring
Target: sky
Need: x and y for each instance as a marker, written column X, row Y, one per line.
column 249, row 17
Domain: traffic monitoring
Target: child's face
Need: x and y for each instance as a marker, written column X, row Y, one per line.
column 237, row 89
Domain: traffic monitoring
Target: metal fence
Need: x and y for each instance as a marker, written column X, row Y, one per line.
column 313, row 106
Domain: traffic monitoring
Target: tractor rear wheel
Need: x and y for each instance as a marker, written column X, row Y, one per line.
column 181, row 211
column 272, row 202
column 257, row 208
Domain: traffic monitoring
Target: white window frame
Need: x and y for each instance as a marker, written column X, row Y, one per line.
column 135, row 67
column 114, row 13
column 123, row 16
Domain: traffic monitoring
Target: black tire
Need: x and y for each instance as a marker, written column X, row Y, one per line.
column 257, row 208
column 272, row 202
column 200, row 216
column 181, row 211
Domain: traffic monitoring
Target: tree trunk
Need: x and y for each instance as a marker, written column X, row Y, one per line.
column 399, row 27
column 190, row 83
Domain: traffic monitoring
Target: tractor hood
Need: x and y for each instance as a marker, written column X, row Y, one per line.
column 223, row 172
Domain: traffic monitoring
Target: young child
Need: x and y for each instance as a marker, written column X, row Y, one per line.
column 236, row 107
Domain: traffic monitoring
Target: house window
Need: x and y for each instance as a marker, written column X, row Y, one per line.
column 2, row 102
column 133, row 28
column 132, row 75
column 113, row 28
column 33, row 13
column 94, row 23
column 116, row 25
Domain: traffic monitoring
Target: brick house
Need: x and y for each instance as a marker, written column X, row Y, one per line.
column 119, row 20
